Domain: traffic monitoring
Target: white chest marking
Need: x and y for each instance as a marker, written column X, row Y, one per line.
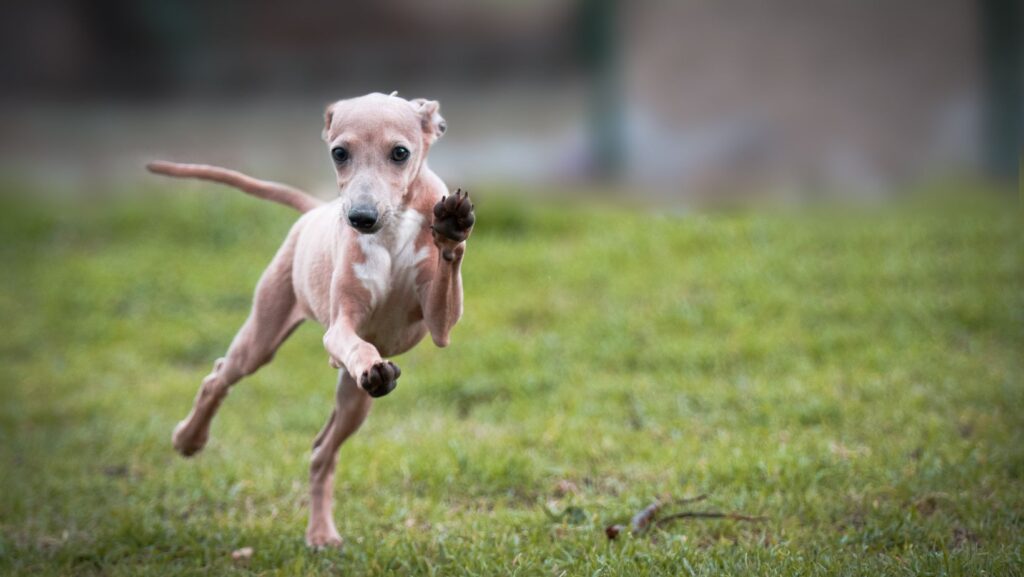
column 391, row 257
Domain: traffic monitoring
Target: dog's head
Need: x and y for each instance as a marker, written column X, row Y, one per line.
column 378, row 144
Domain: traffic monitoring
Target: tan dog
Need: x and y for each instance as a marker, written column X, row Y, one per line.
column 379, row 267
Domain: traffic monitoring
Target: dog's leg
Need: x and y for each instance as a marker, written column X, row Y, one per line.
column 351, row 408
column 350, row 304
column 442, row 296
column 274, row 316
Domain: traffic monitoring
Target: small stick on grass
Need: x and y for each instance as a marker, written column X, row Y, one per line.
column 706, row 515
column 643, row 520
column 686, row 500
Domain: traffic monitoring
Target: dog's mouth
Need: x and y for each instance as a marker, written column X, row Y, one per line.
column 366, row 229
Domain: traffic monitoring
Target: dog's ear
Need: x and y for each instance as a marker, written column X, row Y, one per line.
column 433, row 123
column 328, row 117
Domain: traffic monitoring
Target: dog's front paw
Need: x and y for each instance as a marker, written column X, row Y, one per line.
column 453, row 219
column 380, row 379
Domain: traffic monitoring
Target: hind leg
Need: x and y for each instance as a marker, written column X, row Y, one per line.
column 351, row 406
column 274, row 316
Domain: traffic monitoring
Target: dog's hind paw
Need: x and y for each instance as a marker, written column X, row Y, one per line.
column 380, row 379
column 453, row 218
column 187, row 440
column 323, row 538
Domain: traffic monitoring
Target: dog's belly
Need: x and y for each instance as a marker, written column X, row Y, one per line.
column 395, row 327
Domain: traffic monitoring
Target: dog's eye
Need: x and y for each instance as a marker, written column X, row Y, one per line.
column 339, row 154
column 399, row 154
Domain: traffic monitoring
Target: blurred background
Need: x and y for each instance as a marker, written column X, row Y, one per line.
column 697, row 100
column 851, row 369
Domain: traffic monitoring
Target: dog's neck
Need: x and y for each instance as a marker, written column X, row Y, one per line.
column 401, row 229
column 390, row 256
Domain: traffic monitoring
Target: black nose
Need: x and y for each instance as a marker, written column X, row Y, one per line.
column 362, row 217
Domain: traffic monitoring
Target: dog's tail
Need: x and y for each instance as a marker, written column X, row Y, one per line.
column 277, row 192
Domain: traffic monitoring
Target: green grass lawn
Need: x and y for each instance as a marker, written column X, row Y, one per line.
column 854, row 378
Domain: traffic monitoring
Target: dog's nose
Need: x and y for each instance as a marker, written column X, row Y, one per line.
column 363, row 218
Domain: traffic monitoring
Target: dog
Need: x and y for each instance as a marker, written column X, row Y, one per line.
column 379, row 267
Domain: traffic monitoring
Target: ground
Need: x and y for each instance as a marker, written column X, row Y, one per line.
column 853, row 376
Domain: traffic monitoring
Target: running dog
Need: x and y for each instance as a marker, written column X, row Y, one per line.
column 378, row 267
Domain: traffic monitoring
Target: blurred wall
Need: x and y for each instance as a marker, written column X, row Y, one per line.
column 816, row 94
column 696, row 98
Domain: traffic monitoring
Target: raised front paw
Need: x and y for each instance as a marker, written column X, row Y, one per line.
column 380, row 379
column 453, row 219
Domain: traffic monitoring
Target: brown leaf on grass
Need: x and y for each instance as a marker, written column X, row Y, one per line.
column 963, row 536
column 927, row 505
column 612, row 531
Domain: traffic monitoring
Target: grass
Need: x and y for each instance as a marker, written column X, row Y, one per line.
column 855, row 378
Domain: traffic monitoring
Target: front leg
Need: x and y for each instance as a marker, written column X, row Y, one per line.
column 442, row 297
column 347, row 351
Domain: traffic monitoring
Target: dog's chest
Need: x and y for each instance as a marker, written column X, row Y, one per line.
column 389, row 268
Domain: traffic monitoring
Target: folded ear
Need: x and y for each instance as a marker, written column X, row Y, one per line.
column 328, row 117
column 433, row 123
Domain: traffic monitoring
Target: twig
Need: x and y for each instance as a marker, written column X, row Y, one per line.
column 707, row 515
column 643, row 519
column 648, row 517
column 686, row 500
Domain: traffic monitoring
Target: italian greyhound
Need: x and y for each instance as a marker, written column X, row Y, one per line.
column 378, row 267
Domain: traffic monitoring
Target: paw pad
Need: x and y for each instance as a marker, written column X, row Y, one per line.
column 454, row 217
column 380, row 379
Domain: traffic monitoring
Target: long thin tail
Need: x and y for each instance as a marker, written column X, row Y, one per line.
column 277, row 192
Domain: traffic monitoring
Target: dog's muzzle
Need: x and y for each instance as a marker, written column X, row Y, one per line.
column 364, row 218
